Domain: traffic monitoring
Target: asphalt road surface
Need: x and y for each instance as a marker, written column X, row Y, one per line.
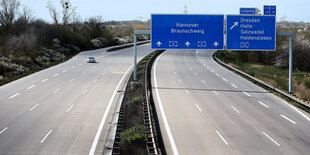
column 65, row 109
column 205, row 109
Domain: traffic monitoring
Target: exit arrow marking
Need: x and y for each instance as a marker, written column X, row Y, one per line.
column 187, row 43
column 235, row 24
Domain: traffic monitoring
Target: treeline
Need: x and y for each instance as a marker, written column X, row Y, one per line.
column 279, row 58
column 28, row 44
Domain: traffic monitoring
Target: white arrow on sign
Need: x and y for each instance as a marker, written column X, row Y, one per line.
column 187, row 43
column 158, row 43
column 235, row 24
column 216, row 44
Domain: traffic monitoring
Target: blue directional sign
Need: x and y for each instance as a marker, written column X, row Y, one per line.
column 273, row 10
column 187, row 31
column 247, row 11
column 270, row 10
column 247, row 32
column 266, row 10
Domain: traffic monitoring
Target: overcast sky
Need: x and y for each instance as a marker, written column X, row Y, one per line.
column 291, row 10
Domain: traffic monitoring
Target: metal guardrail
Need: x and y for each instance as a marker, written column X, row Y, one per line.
column 262, row 82
column 126, row 46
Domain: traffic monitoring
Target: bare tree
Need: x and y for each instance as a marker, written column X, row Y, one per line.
column 8, row 11
column 53, row 12
column 68, row 11
column 26, row 15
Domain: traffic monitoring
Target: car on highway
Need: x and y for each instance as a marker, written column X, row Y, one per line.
column 91, row 60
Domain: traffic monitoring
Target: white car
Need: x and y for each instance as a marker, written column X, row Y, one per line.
column 91, row 60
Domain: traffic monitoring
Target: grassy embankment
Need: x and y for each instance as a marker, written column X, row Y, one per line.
column 273, row 75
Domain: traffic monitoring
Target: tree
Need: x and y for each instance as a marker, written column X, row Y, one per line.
column 68, row 11
column 53, row 12
column 8, row 12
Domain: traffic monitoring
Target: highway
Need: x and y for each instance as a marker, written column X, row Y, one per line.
column 204, row 108
column 65, row 109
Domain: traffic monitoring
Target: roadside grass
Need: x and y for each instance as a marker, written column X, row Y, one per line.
column 272, row 75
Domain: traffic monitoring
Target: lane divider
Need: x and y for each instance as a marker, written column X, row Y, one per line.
column 33, row 107
column 271, row 139
column 288, row 119
column 263, row 104
column 3, row 130
column 221, row 137
column 235, row 109
column 14, row 95
column 198, row 108
column 46, row 136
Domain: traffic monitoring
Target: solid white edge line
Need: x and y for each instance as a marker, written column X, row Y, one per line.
column 215, row 92
column 96, row 139
column 271, row 139
column 3, row 130
column 187, row 91
column 263, row 104
column 221, row 137
column 70, row 108
column 235, row 109
column 246, row 93
column 33, row 107
column 31, row 87
column 198, row 107
column 44, row 80
column 46, row 136
column 170, row 137
column 302, row 114
column 14, row 95
column 288, row 119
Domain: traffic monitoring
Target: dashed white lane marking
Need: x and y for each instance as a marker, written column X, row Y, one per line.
column 33, row 107
column 215, row 92
column 73, row 67
column 204, row 82
column 46, row 136
column 212, row 70
column 14, row 95
column 263, row 104
column 195, row 74
column 56, row 90
column 190, row 68
column 288, row 119
column 95, row 81
column 55, row 75
column 70, row 108
column 221, row 137
column 187, row 91
column 3, row 130
column 217, row 74
column 31, row 87
column 271, row 139
column 208, row 67
column 84, row 92
column 198, row 108
column 64, row 70
column 175, row 73
column 246, row 93
column 80, row 64
column 72, row 80
column 170, row 137
column 179, row 80
column 234, row 85
column 44, row 80
column 224, row 79
column 235, row 109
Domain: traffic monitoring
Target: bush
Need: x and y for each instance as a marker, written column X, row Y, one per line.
column 135, row 134
column 137, row 100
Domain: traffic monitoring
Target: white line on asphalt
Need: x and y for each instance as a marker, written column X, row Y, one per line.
column 46, row 136
column 84, row 92
column 204, row 82
column 198, row 108
column 70, row 108
column 224, row 79
column 263, row 104
column 55, row 75
column 80, row 64
column 31, row 86
column 44, row 80
column 195, row 74
column 3, row 130
column 170, row 137
column 288, row 119
column 221, row 137
column 175, row 73
column 187, row 91
column 72, row 80
column 14, row 95
column 234, row 85
column 96, row 139
column 64, row 70
column 208, row 67
column 180, row 81
column 190, row 68
column 215, row 92
column 212, row 70
column 73, row 67
column 235, row 109
column 217, row 74
column 271, row 138
column 302, row 114
column 33, row 107
column 173, row 67
column 246, row 93
column 204, row 64
column 56, row 90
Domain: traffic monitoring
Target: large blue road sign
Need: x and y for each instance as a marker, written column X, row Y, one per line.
column 247, row 32
column 187, row 31
column 251, row 11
